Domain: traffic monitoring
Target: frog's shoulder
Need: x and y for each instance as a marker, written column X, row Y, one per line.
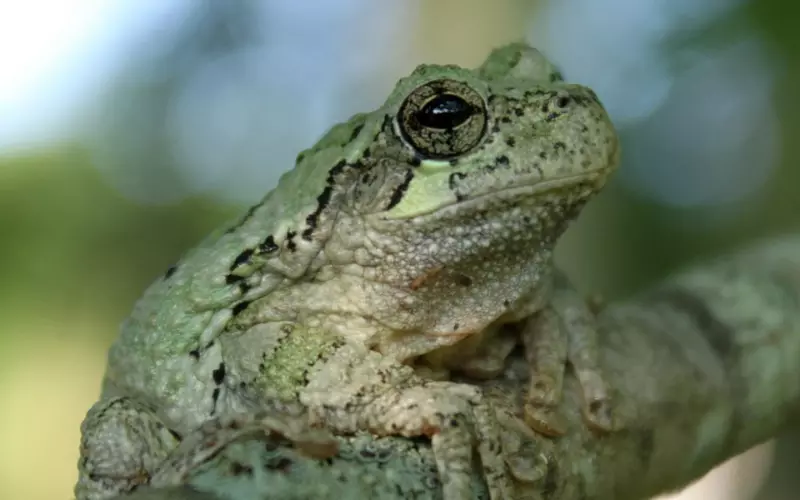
column 273, row 241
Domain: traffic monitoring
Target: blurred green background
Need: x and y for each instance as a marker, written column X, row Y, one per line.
column 129, row 129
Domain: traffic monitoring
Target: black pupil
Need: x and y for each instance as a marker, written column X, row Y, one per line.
column 444, row 111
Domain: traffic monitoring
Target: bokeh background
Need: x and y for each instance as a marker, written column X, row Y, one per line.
column 129, row 129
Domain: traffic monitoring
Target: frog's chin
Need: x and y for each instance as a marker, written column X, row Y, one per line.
column 526, row 191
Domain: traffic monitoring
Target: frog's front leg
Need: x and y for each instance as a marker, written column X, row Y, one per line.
column 122, row 444
column 358, row 389
column 274, row 419
column 125, row 445
column 564, row 330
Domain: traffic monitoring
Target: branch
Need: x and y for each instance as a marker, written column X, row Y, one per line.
column 705, row 366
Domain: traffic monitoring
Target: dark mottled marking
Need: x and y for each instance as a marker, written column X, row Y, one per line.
column 646, row 447
column 219, row 374
column 529, row 94
column 556, row 77
column 242, row 258
column 559, row 145
column 455, row 326
column 400, row 190
column 214, row 399
column 462, row 279
column 268, row 245
column 240, row 469
column 232, row 279
column 511, row 142
column 300, row 156
column 290, row 243
column 415, row 161
column 244, row 287
column 543, row 155
column 453, row 162
column 719, row 335
column 506, row 303
column 505, row 119
column 552, row 116
column 239, row 307
column 519, row 111
column 452, row 181
column 356, row 130
column 195, row 353
column 502, row 160
column 336, row 170
column 311, row 221
column 550, row 485
column 279, row 463
column 170, row 271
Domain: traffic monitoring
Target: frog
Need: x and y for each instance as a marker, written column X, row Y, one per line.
column 408, row 243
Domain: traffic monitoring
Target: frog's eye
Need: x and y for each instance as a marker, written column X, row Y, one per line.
column 442, row 119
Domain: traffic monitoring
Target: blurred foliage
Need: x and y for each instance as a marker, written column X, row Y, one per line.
column 70, row 241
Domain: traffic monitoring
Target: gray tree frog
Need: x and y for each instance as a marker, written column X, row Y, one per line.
column 409, row 241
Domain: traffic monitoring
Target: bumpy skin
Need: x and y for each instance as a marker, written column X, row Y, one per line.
column 407, row 236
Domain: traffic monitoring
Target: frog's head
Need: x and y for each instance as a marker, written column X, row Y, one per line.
column 510, row 131
column 470, row 167
column 456, row 145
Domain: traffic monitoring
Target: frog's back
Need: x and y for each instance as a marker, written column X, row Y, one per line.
column 167, row 346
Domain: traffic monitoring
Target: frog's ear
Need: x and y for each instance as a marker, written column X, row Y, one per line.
column 519, row 61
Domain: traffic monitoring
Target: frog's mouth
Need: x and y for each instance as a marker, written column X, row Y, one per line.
column 527, row 192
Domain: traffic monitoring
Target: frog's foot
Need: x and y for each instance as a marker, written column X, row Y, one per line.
column 546, row 352
column 454, row 416
column 578, row 320
column 276, row 420
column 597, row 409
column 562, row 332
column 122, row 444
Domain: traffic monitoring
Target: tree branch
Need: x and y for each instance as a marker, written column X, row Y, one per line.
column 705, row 366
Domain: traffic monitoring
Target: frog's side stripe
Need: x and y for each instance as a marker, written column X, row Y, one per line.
column 325, row 196
column 268, row 245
